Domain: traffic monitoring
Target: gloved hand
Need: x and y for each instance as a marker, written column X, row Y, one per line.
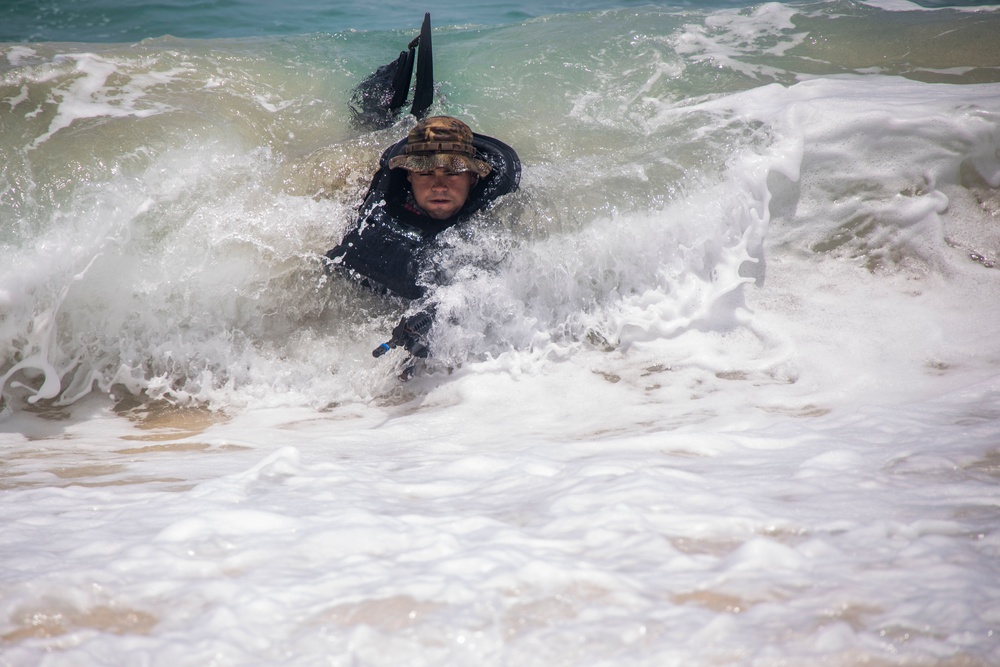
column 411, row 332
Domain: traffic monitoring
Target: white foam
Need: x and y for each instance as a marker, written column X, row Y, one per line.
column 89, row 95
column 726, row 36
column 910, row 6
column 17, row 55
column 434, row 532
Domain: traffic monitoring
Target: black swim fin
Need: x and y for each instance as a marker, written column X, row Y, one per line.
column 423, row 92
column 376, row 101
column 401, row 82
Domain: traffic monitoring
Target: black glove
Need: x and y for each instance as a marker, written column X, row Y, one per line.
column 410, row 333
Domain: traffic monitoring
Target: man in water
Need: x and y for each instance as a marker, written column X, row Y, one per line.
column 438, row 177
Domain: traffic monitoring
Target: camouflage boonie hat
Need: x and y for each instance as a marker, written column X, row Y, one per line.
column 440, row 141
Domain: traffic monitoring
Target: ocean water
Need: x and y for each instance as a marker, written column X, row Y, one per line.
column 719, row 386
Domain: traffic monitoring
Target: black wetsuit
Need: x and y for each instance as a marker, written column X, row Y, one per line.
column 387, row 249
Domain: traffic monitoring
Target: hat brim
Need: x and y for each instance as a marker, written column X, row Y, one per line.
column 449, row 161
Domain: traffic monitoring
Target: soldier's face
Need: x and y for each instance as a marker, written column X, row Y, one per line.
column 441, row 193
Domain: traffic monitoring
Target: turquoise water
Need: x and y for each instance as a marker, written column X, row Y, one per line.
column 122, row 21
column 117, row 21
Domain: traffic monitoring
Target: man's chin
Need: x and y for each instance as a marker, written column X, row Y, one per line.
column 441, row 212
